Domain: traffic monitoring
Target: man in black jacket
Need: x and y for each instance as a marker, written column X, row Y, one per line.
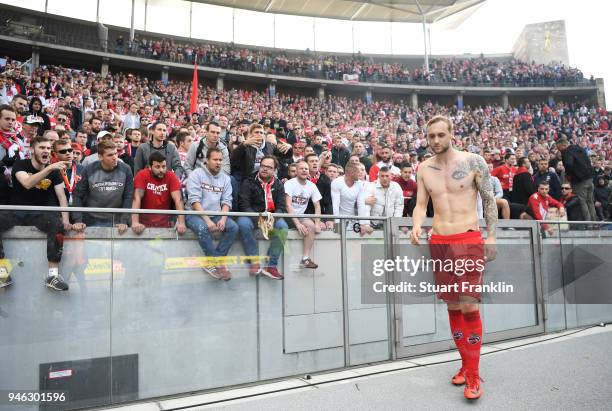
column 340, row 154
column 522, row 182
column 572, row 205
column 543, row 174
column 579, row 171
column 262, row 192
column 246, row 158
column 323, row 183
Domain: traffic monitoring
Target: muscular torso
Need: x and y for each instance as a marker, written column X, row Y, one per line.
column 452, row 189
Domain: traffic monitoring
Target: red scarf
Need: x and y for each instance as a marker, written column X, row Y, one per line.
column 9, row 139
column 267, row 187
column 316, row 177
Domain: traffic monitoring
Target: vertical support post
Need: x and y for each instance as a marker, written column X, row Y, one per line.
column 426, row 65
column 220, row 82
column 345, row 302
column 132, row 21
column 314, row 36
column 414, row 100
column 389, row 238
column 504, row 100
column 391, row 37
column 272, row 88
column 190, row 17
column 460, row 101
column 601, row 92
column 145, row 16
column 35, row 57
column 321, row 92
column 104, row 68
column 164, row 74
column 353, row 35
column 97, row 9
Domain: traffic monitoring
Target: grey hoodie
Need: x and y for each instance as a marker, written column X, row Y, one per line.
column 169, row 150
column 193, row 161
column 211, row 191
column 104, row 189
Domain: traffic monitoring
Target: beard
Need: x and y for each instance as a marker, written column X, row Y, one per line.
column 440, row 150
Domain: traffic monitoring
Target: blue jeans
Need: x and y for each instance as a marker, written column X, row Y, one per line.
column 199, row 227
column 235, row 180
column 278, row 237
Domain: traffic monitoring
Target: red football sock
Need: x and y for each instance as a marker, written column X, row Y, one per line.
column 455, row 318
column 473, row 339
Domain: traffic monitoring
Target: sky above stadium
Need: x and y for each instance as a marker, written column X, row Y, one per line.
column 493, row 27
column 496, row 25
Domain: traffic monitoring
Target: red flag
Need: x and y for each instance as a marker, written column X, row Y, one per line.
column 193, row 103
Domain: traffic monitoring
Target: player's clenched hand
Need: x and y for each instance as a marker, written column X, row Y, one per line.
column 490, row 249
column 414, row 235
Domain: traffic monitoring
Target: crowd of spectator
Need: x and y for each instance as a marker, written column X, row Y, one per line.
column 469, row 72
column 71, row 137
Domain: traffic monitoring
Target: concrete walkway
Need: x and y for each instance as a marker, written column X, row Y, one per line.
column 571, row 370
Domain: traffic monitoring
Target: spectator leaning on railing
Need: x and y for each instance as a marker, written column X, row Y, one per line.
column 348, row 197
column 157, row 188
column 299, row 191
column 107, row 183
column 540, row 204
column 210, row 189
column 263, row 192
column 388, row 194
column 37, row 182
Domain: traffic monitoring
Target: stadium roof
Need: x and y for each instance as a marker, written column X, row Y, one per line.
column 407, row 11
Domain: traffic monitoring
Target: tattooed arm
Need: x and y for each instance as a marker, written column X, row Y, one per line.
column 484, row 185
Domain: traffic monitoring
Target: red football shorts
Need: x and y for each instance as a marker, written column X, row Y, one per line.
column 458, row 264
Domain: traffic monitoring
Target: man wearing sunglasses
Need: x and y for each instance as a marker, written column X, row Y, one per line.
column 63, row 151
column 572, row 203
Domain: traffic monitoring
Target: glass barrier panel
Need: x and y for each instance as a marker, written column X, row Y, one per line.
column 190, row 323
column 587, row 268
column 368, row 320
column 55, row 312
column 300, row 318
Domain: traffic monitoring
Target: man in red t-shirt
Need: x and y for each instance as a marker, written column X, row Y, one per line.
column 409, row 188
column 505, row 173
column 154, row 189
column 541, row 202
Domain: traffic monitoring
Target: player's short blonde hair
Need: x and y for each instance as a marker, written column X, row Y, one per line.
column 441, row 119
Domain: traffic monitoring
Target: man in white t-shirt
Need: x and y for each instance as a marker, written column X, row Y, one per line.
column 298, row 191
column 348, row 196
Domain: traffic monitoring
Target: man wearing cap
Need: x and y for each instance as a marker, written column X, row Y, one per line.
column 31, row 126
column 579, row 172
column 93, row 157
